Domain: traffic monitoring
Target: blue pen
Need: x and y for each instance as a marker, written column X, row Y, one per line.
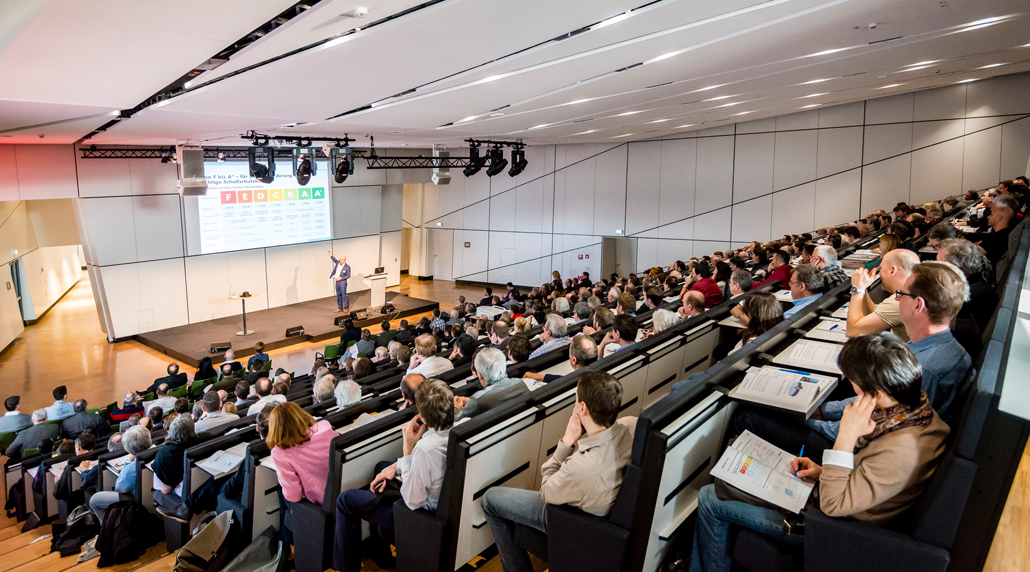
column 799, row 456
column 834, row 327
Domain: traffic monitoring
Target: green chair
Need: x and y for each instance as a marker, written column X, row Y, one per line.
column 149, row 397
column 267, row 366
column 330, row 353
column 115, row 427
column 29, row 453
column 179, row 391
column 351, row 343
column 58, row 423
column 6, row 439
column 362, row 354
column 197, row 389
column 94, row 410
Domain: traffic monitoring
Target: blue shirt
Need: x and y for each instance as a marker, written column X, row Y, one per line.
column 261, row 356
column 947, row 373
column 59, row 410
column 126, row 483
column 800, row 303
column 552, row 344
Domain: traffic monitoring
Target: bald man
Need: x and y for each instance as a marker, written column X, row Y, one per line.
column 693, row 304
column 865, row 317
column 340, row 275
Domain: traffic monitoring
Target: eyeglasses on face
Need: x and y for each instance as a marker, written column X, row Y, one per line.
column 899, row 293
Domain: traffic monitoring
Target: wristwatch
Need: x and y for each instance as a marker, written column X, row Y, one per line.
column 855, row 290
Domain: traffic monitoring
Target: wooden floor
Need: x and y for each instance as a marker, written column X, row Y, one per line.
column 67, row 347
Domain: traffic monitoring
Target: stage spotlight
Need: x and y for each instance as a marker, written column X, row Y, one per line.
column 497, row 162
column 518, row 162
column 475, row 161
column 165, row 156
column 265, row 174
column 303, row 166
column 344, row 161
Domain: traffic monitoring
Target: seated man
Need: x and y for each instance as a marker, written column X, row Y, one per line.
column 130, row 407
column 61, row 408
column 13, row 420
column 263, row 390
column 881, row 461
column 702, row 281
column 582, row 351
column 518, row 349
column 488, row 297
column 89, row 471
column 164, row 401
column 31, row 437
column 553, row 336
column 135, row 441
column 779, row 270
column 585, row 471
column 404, row 335
column 623, row 333
column 82, row 420
column 490, row 368
column 350, row 332
column 385, row 336
column 425, row 361
column 364, row 346
column 175, row 378
column 825, row 259
column 693, row 303
column 806, row 285
column 499, row 334
column 865, row 317
column 420, row 471
column 213, row 414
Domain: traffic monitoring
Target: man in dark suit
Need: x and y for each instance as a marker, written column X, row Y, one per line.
column 404, row 335
column 30, row 438
column 488, row 297
column 350, row 333
column 256, row 372
column 230, row 360
column 385, row 337
column 14, row 421
column 76, row 424
column 174, row 379
column 340, row 275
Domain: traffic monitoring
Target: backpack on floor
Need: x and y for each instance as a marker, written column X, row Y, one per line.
column 265, row 554
column 69, row 537
column 215, row 542
column 126, row 533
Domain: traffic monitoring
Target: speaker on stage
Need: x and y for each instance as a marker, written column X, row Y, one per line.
column 220, row 347
column 295, row 331
column 340, row 320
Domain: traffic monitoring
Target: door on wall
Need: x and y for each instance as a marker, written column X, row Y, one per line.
column 618, row 255
column 442, row 251
column 16, row 274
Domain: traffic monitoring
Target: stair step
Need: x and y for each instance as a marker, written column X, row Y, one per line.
column 153, row 553
column 163, row 564
column 23, row 539
column 10, row 532
column 25, row 555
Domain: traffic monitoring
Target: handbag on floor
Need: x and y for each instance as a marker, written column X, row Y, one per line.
column 265, row 554
column 215, row 542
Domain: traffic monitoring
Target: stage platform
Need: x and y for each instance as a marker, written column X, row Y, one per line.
column 191, row 343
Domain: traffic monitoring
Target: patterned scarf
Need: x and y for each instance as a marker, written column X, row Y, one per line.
column 898, row 417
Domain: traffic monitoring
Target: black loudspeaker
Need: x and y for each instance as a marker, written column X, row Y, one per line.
column 295, row 331
column 362, row 315
column 219, row 347
column 340, row 320
column 387, row 308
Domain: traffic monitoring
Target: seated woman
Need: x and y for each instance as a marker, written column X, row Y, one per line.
column 300, row 449
column 886, row 451
column 763, row 311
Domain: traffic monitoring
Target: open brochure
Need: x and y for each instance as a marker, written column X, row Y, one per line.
column 224, row 462
column 789, row 389
column 805, row 354
column 757, row 467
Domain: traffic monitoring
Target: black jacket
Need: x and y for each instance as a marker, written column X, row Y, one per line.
column 173, row 381
column 404, row 337
column 351, row 335
column 383, row 339
column 76, row 424
column 30, row 438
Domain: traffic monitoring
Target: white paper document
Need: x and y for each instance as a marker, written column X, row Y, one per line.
column 829, row 330
column 789, row 389
column 755, row 466
column 816, row 353
column 224, row 462
column 841, row 312
column 783, row 296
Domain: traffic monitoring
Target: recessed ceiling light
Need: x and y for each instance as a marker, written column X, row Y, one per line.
column 578, row 101
column 914, row 69
column 816, row 81
column 540, row 126
column 810, row 106
column 627, row 113
column 660, row 120
column 617, row 136
column 718, row 98
column 610, row 21
column 812, row 95
column 891, row 85
column 585, row 132
column 469, row 118
column 731, row 104
column 926, row 63
column 967, row 80
column 496, row 115
column 990, row 66
column 664, row 56
column 827, row 52
column 984, row 21
column 743, row 113
column 720, row 85
column 687, row 125
column 491, row 78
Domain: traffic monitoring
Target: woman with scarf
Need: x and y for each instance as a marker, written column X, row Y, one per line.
column 886, row 450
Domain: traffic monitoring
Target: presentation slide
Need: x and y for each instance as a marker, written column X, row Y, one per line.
column 239, row 212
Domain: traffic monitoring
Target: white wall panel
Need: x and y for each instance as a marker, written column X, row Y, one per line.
column 356, row 211
column 1015, row 149
column 1001, row 95
column 391, row 207
column 757, row 126
column 46, row 172
column 793, row 210
column 671, row 250
column 8, row 174
column 158, row 226
column 110, row 229
column 245, row 270
column 474, row 256
column 502, row 211
column 121, row 288
column 836, row 198
column 647, row 253
column 842, row 115
column 727, row 129
column 532, row 214
column 683, row 229
column 753, row 166
column 579, row 192
column 795, row 158
column 643, row 186
column 936, row 172
column 713, row 226
column 942, row 103
column 839, row 150
column 981, row 159
column 714, row 180
column 883, row 141
column 151, row 177
column 283, row 276
column 752, row 220
column 893, row 109
column 103, row 177
column 477, row 216
column 933, row 132
column 610, row 192
column 801, row 120
column 676, row 191
column 208, row 287
column 162, row 294
column 886, row 183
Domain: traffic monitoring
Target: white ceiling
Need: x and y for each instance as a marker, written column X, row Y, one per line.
column 482, row 68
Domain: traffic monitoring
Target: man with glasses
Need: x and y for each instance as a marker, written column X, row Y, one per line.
column 866, row 317
column 806, row 285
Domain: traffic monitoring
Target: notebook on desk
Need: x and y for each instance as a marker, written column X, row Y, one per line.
column 809, row 354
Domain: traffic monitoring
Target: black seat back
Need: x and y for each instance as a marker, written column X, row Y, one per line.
column 939, row 510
